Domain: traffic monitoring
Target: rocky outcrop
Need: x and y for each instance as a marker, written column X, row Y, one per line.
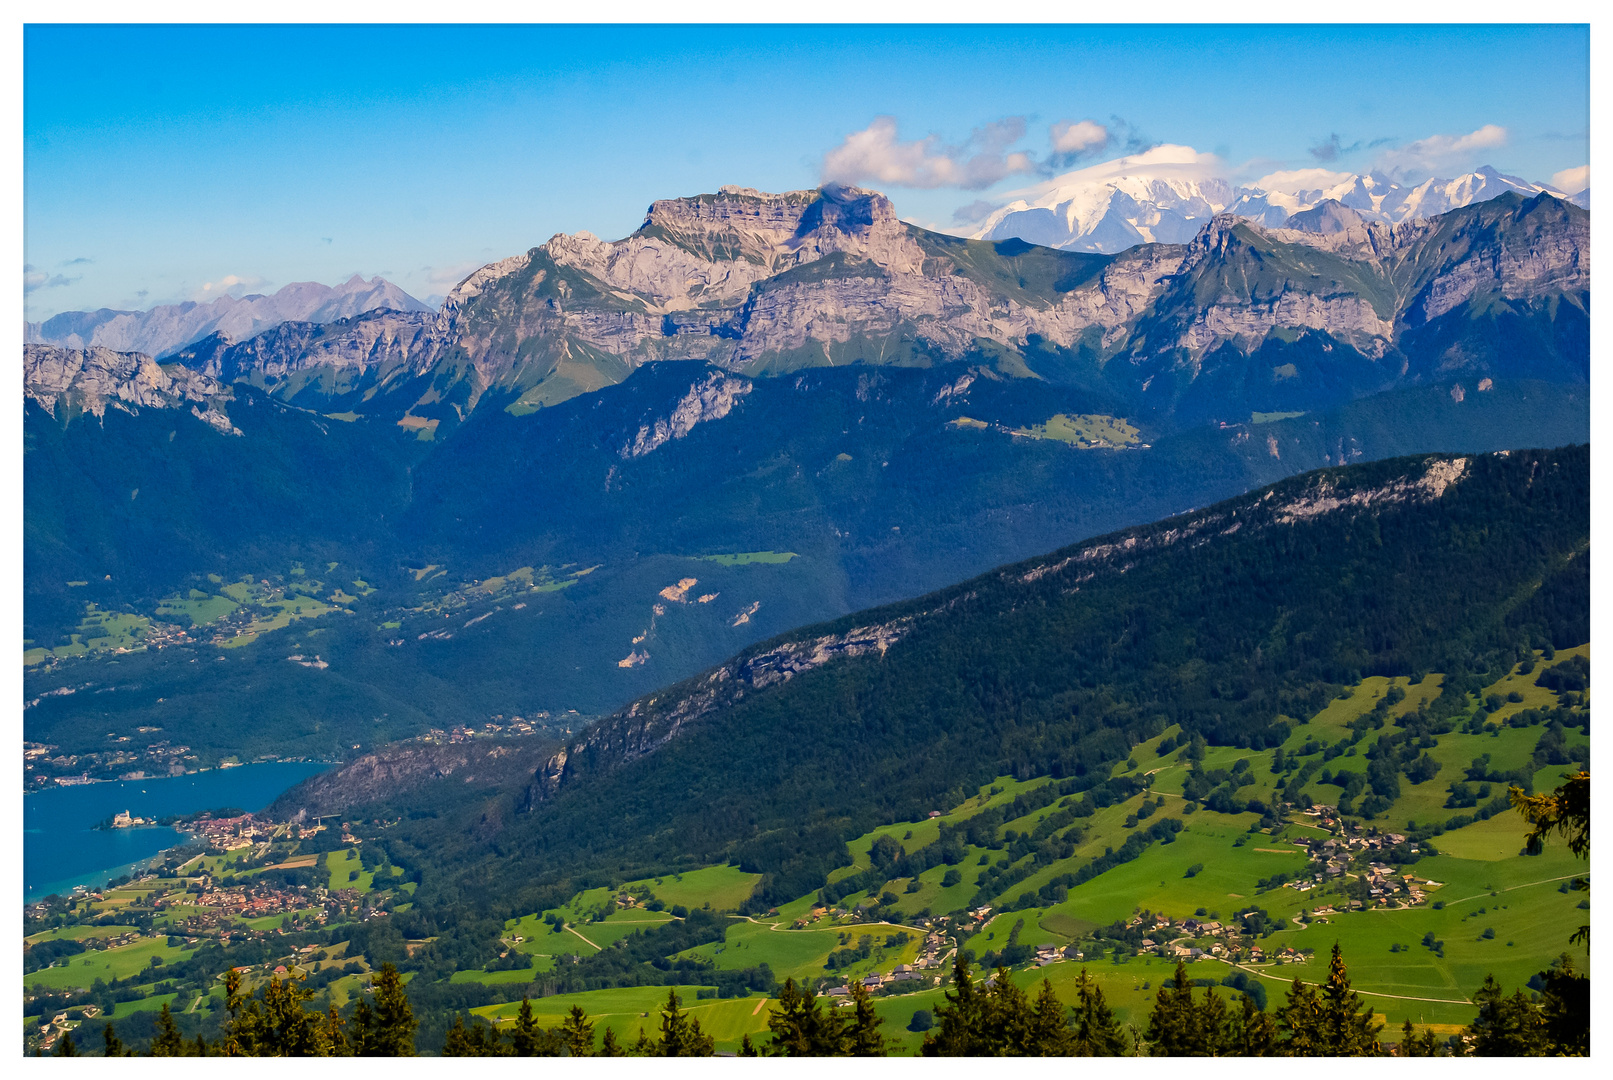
column 72, row 381
column 765, row 284
column 712, row 398
column 403, row 769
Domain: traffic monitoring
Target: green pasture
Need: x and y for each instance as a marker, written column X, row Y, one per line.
column 200, row 607
column 627, row 1009
column 82, row 970
column 342, row 864
column 148, row 1004
column 749, row 558
column 497, row 978
column 725, row 888
column 1084, row 430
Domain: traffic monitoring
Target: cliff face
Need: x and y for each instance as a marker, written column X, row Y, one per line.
column 67, row 382
column 763, row 284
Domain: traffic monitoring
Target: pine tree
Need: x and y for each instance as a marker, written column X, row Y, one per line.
column 1252, row 1034
column 1415, row 1045
column 457, row 1043
column 392, row 1033
column 1049, row 1025
column 1176, row 1027
column 959, row 1021
column 1300, row 1021
column 609, row 1047
column 680, row 1033
column 168, row 1043
column 801, row 1029
column 643, row 1047
column 861, row 1037
column 1565, row 1006
column 1006, row 1020
column 577, row 1033
column 65, row 1047
column 1096, row 1032
column 1507, row 1026
column 113, row 1045
column 1346, row 1031
column 747, row 1048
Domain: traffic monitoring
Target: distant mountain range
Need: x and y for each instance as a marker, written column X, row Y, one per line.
column 796, row 402
column 1241, row 318
column 1168, row 193
column 167, row 327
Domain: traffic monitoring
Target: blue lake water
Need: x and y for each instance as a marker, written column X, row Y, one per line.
column 62, row 848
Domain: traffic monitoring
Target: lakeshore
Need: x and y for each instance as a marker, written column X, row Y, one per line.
column 62, row 848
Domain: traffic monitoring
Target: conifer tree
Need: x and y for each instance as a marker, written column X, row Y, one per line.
column 1506, row 1026
column 1253, row 1034
column 1345, row 1030
column 680, row 1033
column 959, row 1020
column 861, row 1036
column 65, row 1047
column 1300, row 1021
column 1178, row 1026
column 801, row 1029
column 168, row 1042
column 1049, row 1025
column 113, row 1045
column 530, row 1040
column 1415, row 1045
column 577, row 1033
column 609, row 1047
column 1096, row 1033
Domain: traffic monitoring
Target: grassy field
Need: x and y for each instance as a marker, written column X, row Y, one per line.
column 724, row 888
column 82, row 970
column 1089, row 431
column 342, row 864
column 748, row 558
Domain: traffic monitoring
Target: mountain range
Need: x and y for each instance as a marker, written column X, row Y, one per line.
column 1168, row 193
column 164, row 328
column 796, row 403
column 761, row 284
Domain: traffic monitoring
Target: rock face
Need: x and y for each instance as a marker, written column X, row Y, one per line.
column 67, row 382
column 167, row 327
column 761, row 284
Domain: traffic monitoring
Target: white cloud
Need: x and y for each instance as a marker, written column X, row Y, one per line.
column 1442, row 153
column 34, row 278
column 1077, row 136
column 1293, row 181
column 1572, row 181
column 877, row 154
column 228, row 285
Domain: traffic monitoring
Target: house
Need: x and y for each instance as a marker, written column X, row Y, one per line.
column 837, row 991
column 1073, row 953
column 901, row 969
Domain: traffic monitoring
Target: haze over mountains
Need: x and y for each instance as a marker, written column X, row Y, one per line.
column 1167, row 193
column 160, row 330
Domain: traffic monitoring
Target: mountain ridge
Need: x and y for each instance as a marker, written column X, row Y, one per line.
column 160, row 330
column 770, row 284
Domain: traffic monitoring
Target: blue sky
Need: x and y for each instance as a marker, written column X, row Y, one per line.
column 159, row 160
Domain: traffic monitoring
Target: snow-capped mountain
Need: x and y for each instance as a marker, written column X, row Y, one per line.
column 1168, row 193
column 171, row 326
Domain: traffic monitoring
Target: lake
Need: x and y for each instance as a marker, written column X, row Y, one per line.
column 62, row 848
